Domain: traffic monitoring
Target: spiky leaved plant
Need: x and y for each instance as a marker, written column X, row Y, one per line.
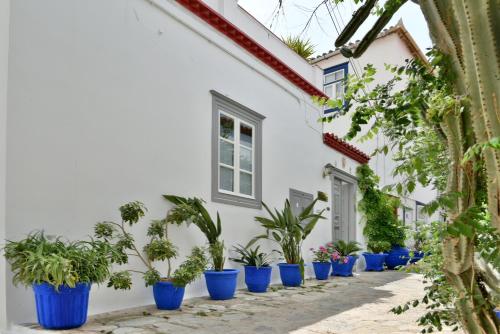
column 467, row 34
column 303, row 47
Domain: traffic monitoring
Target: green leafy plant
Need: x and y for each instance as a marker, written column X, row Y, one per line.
column 321, row 254
column 379, row 210
column 377, row 247
column 289, row 231
column 36, row 259
column 303, row 47
column 158, row 249
column 251, row 256
column 191, row 210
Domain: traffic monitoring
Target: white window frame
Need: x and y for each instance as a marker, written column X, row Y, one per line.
column 222, row 105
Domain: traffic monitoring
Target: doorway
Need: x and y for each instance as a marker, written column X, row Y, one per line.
column 344, row 188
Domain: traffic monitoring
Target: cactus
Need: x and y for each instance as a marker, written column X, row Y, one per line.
column 468, row 32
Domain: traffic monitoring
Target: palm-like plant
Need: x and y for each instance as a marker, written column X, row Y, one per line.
column 192, row 210
column 303, row 47
column 289, row 231
column 251, row 256
column 344, row 248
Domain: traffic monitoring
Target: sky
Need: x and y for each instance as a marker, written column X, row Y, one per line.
column 293, row 18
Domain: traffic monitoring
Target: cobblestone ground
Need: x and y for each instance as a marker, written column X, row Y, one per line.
column 355, row 305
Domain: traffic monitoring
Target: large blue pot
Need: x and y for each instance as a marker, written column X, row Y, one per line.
column 398, row 256
column 343, row 269
column 290, row 274
column 374, row 262
column 64, row 308
column 258, row 279
column 321, row 270
column 167, row 295
column 221, row 285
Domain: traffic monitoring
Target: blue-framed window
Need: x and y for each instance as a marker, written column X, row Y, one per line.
column 334, row 83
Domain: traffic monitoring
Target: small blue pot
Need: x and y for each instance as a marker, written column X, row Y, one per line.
column 290, row 274
column 258, row 279
column 398, row 256
column 65, row 308
column 497, row 312
column 343, row 269
column 167, row 295
column 221, row 285
column 321, row 270
column 374, row 262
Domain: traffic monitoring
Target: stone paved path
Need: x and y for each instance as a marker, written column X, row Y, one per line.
column 357, row 305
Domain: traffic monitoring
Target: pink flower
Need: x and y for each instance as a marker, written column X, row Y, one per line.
column 329, row 244
column 346, row 260
column 321, row 248
column 335, row 256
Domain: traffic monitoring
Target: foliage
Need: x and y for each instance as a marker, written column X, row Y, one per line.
column 377, row 247
column 289, row 231
column 321, row 254
column 303, row 47
column 251, row 256
column 439, row 297
column 191, row 210
column 37, row 259
column 340, row 250
column 378, row 209
column 159, row 248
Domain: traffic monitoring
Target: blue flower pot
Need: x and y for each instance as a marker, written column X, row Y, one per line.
column 398, row 256
column 374, row 262
column 258, row 279
column 62, row 309
column 321, row 270
column 343, row 269
column 167, row 295
column 290, row 274
column 497, row 312
column 221, row 285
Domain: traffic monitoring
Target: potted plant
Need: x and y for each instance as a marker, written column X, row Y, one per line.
column 381, row 224
column 343, row 256
column 221, row 283
column 257, row 267
column 289, row 231
column 60, row 273
column 321, row 263
column 378, row 252
column 168, row 291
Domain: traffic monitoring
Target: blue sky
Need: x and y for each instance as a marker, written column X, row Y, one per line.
column 294, row 15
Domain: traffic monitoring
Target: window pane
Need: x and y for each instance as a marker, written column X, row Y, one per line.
column 226, row 153
column 339, row 90
column 245, row 183
column 245, row 159
column 226, row 127
column 339, row 75
column 328, row 90
column 330, row 77
column 226, row 179
column 245, row 135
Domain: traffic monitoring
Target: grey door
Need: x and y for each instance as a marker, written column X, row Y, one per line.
column 343, row 210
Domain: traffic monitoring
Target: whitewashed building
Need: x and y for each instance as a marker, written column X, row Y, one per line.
column 106, row 102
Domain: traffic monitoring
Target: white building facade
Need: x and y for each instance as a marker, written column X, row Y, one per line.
column 102, row 103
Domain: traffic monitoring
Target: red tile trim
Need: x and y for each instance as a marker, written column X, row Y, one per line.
column 343, row 147
column 213, row 18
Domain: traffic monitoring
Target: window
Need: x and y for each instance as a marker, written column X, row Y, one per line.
column 236, row 153
column 334, row 82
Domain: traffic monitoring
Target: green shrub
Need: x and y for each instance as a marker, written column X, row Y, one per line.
column 379, row 246
column 158, row 249
column 251, row 256
column 37, row 259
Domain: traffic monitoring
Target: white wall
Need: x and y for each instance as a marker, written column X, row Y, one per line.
column 387, row 50
column 4, row 51
column 109, row 102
